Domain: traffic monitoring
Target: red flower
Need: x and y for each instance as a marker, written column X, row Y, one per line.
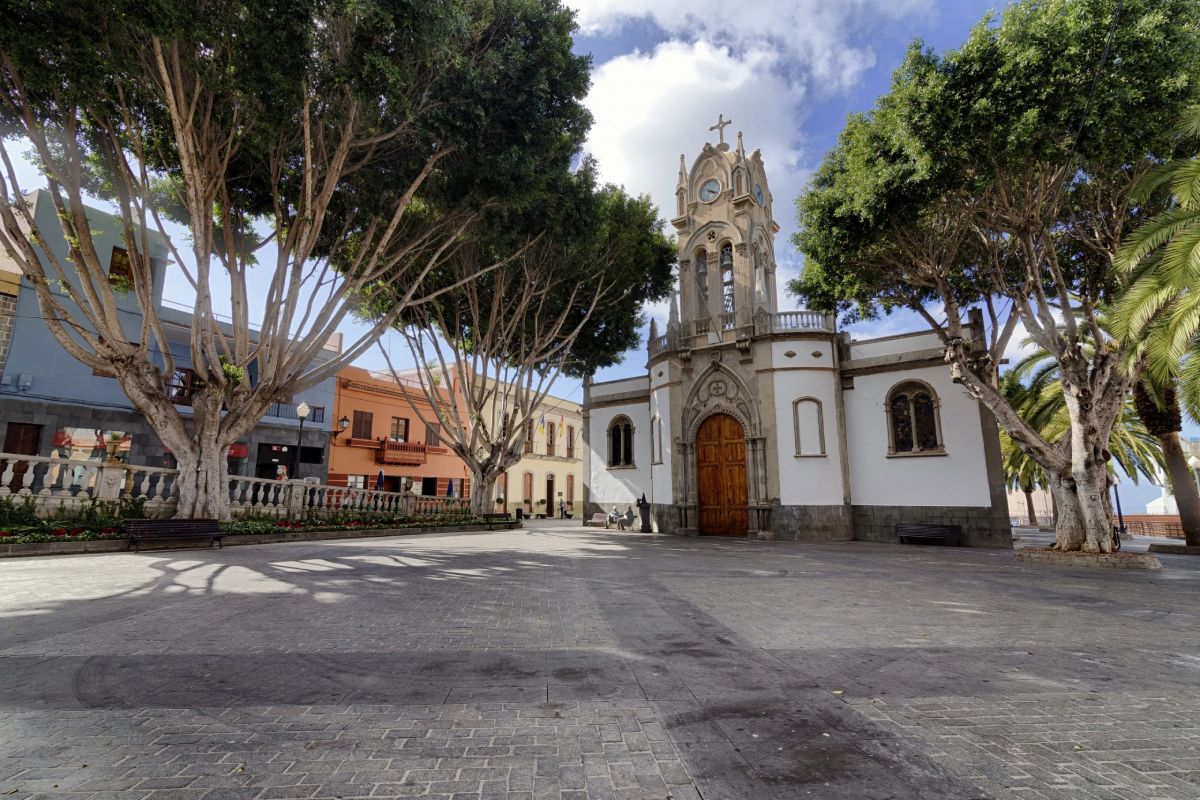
column 5, row 533
column 109, row 530
column 59, row 532
column 76, row 531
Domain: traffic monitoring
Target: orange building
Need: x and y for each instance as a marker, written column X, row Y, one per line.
column 376, row 430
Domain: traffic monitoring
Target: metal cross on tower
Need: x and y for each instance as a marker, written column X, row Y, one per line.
column 720, row 126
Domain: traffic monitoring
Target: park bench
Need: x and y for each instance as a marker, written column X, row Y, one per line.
column 143, row 530
column 929, row 534
column 499, row 520
column 598, row 520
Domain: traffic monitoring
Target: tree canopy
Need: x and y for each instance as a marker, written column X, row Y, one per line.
column 1001, row 175
column 337, row 144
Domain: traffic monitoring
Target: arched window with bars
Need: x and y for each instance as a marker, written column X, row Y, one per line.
column 914, row 421
column 620, row 442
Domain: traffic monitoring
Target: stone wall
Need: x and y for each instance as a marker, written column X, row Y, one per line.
column 812, row 523
column 664, row 518
column 981, row 526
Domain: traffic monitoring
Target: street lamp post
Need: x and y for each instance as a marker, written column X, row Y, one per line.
column 301, row 412
column 1117, row 494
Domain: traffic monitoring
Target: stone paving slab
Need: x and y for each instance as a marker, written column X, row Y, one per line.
column 558, row 663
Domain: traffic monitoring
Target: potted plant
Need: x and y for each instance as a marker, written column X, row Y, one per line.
column 114, row 445
column 500, row 500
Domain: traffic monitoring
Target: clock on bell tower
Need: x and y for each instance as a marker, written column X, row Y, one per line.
column 726, row 238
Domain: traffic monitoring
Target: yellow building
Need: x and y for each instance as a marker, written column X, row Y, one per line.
column 551, row 469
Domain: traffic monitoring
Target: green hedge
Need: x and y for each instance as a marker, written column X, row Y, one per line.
column 60, row 531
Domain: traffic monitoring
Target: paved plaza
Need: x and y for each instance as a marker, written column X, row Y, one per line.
column 555, row 662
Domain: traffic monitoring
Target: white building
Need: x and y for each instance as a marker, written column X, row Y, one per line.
column 772, row 424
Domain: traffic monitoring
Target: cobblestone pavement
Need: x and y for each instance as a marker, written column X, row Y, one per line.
column 584, row 665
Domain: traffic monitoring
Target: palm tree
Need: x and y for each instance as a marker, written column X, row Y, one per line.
column 1034, row 387
column 1159, row 410
column 1160, row 313
column 1021, row 473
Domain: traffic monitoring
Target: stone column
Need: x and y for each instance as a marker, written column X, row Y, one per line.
column 295, row 499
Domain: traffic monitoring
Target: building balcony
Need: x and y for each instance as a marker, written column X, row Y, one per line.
column 400, row 453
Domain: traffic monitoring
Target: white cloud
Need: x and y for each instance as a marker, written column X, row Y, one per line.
column 760, row 63
column 819, row 39
column 651, row 107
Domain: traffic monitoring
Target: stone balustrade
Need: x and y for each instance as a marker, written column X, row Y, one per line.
column 58, row 486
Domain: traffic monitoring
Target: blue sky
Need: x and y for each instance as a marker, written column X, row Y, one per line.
column 787, row 72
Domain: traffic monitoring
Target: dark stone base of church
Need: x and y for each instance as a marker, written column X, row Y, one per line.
column 665, row 518
column 812, row 523
column 981, row 526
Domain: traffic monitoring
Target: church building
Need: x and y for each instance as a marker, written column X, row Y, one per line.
column 755, row 422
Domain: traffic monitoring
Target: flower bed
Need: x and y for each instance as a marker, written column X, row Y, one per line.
column 57, row 532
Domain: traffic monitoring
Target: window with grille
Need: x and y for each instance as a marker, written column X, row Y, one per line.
column 182, row 386
column 620, row 442
column 120, row 270
column 433, row 437
column 914, row 426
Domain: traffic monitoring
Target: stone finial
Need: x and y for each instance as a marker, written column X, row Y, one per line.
column 741, row 148
column 673, row 319
column 683, row 176
column 653, row 328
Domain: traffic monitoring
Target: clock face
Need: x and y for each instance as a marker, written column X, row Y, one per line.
column 710, row 189
column 758, row 195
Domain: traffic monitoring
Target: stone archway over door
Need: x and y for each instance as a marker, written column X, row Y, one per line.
column 721, row 477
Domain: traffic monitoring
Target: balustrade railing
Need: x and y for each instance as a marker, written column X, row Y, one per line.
column 798, row 321
column 729, row 321
column 57, row 485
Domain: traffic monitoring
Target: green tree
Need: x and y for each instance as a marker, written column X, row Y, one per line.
column 1035, row 391
column 999, row 176
column 489, row 351
column 328, row 146
column 1158, row 314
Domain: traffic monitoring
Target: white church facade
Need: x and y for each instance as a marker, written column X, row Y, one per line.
column 768, row 424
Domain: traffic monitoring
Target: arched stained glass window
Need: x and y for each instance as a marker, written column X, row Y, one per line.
column 914, row 425
column 620, row 442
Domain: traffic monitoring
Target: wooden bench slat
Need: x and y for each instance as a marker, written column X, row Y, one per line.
column 950, row 534
column 503, row 520
column 161, row 529
column 598, row 520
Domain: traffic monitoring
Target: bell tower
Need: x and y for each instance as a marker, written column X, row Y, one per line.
column 726, row 239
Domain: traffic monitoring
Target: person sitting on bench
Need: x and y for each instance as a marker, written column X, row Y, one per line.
column 625, row 521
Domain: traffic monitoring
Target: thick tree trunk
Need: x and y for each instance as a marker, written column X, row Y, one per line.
column 1029, row 509
column 484, row 487
column 203, row 482
column 204, row 466
column 1183, row 486
column 1069, row 530
column 200, row 448
column 1089, row 473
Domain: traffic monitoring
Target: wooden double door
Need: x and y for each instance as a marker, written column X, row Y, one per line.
column 721, row 477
